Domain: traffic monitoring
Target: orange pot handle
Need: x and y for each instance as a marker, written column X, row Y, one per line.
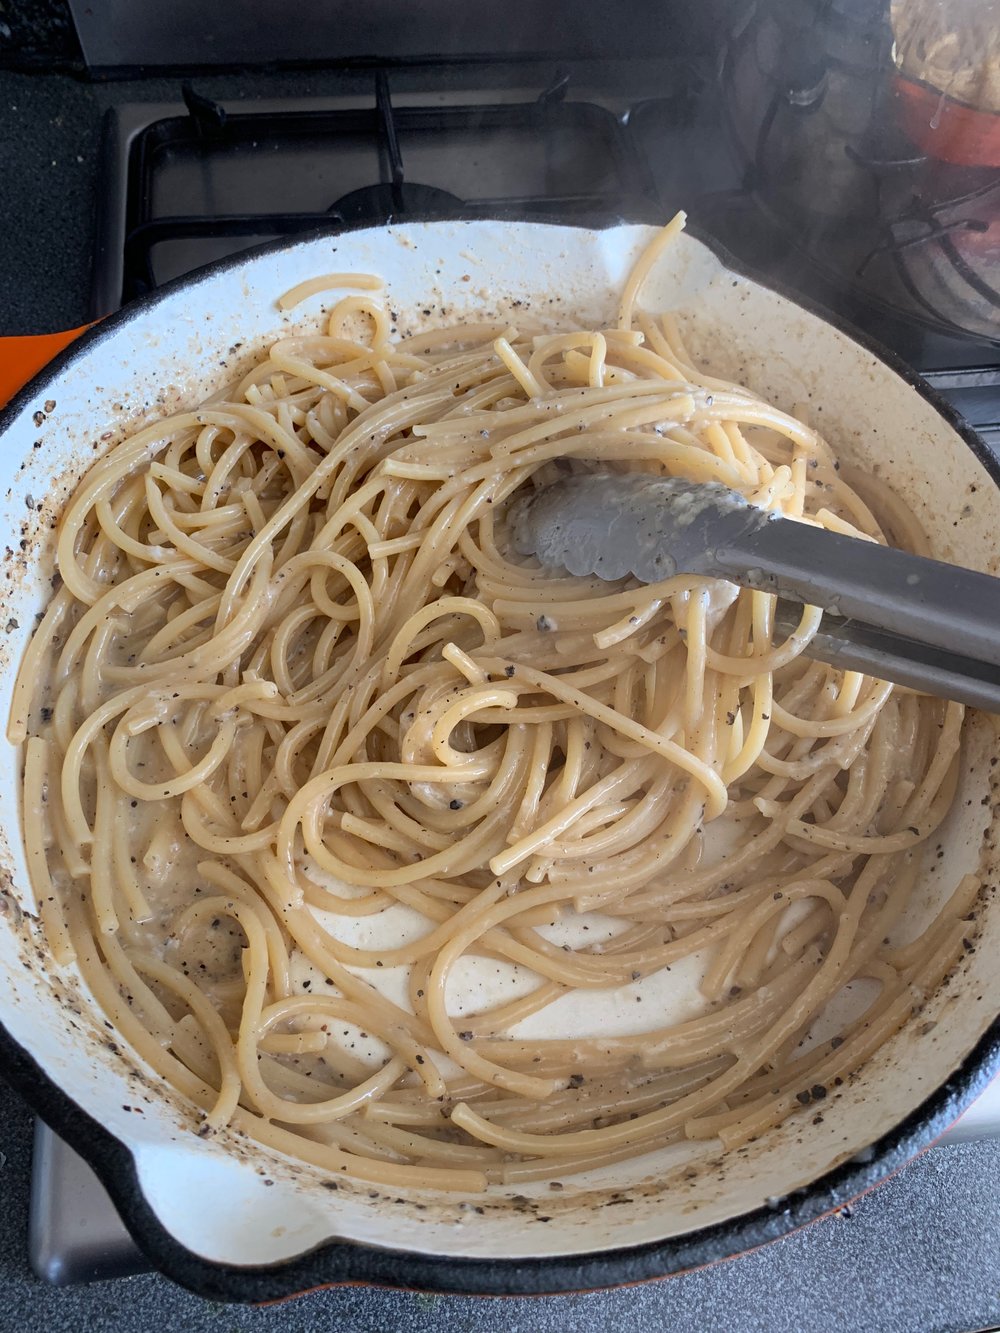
column 22, row 357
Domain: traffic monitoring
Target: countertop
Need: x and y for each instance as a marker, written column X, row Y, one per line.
column 919, row 1255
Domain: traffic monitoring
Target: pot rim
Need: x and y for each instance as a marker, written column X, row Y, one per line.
column 339, row 1262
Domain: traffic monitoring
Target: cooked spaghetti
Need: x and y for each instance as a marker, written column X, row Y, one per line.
column 312, row 760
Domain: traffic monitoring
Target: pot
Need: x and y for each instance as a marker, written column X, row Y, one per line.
column 234, row 1220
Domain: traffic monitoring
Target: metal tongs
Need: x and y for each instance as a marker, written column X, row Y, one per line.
column 902, row 618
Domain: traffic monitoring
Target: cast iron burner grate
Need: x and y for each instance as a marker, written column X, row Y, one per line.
column 213, row 181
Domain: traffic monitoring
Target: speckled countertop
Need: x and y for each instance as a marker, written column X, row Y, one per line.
column 920, row 1255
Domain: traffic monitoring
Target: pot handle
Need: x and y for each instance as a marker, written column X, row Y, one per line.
column 22, row 357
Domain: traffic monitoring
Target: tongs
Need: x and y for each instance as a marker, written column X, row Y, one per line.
column 932, row 626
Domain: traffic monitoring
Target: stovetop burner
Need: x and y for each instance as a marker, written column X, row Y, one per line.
column 192, row 181
column 195, row 181
column 212, row 181
column 823, row 134
column 383, row 204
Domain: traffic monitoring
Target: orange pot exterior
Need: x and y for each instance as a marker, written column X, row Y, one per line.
column 945, row 129
column 22, row 357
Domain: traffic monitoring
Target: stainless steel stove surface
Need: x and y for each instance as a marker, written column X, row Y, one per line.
column 191, row 181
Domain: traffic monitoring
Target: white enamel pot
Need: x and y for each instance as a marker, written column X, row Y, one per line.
column 234, row 1220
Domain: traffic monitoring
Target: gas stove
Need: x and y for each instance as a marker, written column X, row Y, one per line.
column 190, row 181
